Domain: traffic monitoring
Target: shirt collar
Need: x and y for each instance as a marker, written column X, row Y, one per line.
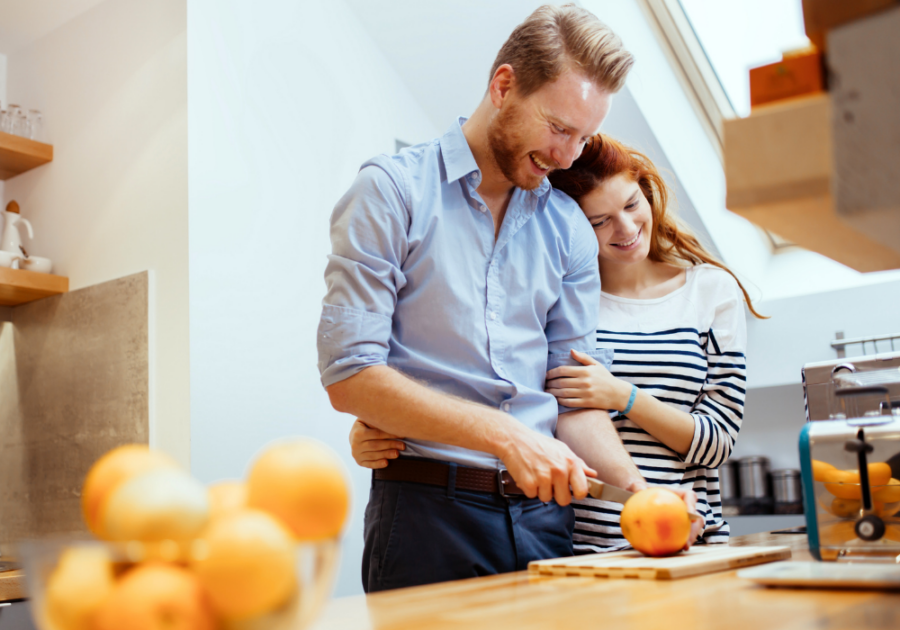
column 459, row 161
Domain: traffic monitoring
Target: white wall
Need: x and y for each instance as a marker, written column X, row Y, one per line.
column 286, row 100
column 802, row 328
column 3, row 105
column 112, row 85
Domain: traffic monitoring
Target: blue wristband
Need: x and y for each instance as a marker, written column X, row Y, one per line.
column 631, row 398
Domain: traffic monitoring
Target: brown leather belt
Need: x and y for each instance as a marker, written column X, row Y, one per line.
column 438, row 474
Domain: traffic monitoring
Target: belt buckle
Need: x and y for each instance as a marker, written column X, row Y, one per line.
column 501, row 482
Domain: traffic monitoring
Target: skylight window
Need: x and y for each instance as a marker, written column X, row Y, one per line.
column 741, row 34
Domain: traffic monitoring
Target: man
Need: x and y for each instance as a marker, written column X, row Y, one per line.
column 457, row 278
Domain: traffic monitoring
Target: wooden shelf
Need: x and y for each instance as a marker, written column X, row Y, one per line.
column 18, row 286
column 18, row 154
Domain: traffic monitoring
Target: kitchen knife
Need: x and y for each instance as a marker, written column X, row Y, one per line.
column 604, row 491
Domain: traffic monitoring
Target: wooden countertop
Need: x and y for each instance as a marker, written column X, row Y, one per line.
column 719, row 600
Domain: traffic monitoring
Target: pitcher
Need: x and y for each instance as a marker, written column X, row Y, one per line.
column 11, row 240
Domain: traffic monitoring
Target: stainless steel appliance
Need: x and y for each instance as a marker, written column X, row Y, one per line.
column 729, row 491
column 822, row 382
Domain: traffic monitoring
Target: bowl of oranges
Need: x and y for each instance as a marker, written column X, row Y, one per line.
column 168, row 552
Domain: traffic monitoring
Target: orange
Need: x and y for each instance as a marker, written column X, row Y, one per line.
column 247, row 566
column 303, row 483
column 879, row 474
column 162, row 504
column 888, row 493
column 80, row 583
column 819, row 469
column 156, row 596
column 113, row 468
column 843, row 484
column 845, row 508
column 655, row 521
column 226, row 497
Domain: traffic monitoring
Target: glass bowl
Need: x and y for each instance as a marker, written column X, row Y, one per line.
column 315, row 569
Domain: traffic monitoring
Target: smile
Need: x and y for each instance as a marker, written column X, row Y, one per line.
column 629, row 243
column 537, row 162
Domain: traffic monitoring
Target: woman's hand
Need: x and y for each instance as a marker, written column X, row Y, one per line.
column 372, row 448
column 587, row 386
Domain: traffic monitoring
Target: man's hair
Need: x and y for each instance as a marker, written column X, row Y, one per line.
column 553, row 39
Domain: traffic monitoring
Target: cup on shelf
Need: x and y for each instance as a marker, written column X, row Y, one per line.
column 17, row 120
column 35, row 125
column 7, row 258
column 36, row 263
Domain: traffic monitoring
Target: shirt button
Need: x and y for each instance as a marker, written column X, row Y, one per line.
column 483, row 208
column 493, row 316
column 505, row 406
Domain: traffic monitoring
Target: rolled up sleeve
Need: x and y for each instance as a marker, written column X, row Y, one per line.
column 572, row 322
column 369, row 243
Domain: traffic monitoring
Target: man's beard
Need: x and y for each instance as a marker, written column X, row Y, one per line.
column 508, row 148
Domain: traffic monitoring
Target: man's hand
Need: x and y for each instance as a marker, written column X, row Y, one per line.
column 372, row 448
column 545, row 468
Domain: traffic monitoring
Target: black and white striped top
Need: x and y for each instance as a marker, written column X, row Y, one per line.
column 687, row 349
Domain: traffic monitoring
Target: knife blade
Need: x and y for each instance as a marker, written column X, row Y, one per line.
column 605, row 492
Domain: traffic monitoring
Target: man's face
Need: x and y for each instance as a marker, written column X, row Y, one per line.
column 546, row 130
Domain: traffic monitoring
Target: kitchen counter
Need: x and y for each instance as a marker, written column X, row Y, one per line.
column 717, row 600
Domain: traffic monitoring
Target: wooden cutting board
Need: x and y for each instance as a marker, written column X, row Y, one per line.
column 633, row 564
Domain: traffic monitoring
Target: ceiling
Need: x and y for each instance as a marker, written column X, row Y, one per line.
column 25, row 21
column 442, row 50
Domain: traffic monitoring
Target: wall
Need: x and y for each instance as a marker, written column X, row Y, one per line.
column 112, row 85
column 3, row 104
column 286, row 101
column 802, row 328
column 73, row 384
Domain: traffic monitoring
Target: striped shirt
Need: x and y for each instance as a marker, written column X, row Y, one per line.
column 687, row 350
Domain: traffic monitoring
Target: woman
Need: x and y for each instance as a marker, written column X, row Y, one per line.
column 674, row 316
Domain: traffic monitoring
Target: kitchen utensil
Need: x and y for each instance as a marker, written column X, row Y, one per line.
column 825, row 575
column 729, row 489
column 605, row 492
column 785, row 489
column 7, row 259
column 36, row 263
column 35, row 125
column 847, row 518
column 754, row 483
column 698, row 560
column 12, row 241
column 821, row 381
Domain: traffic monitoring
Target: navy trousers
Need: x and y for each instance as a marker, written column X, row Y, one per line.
column 421, row 534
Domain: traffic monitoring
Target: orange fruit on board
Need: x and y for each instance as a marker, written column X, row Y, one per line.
column 226, row 497
column 80, row 583
column 113, row 468
column 819, row 468
column 248, row 564
column 303, row 483
column 655, row 521
column 156, row 596
column 162, row 504
column 888, row 493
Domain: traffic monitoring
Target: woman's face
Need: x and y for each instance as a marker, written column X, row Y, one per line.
column 622, row 219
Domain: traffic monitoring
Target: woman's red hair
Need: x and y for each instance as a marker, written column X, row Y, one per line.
column 671, row 240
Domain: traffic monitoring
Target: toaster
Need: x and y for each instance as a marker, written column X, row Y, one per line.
column 850, row 468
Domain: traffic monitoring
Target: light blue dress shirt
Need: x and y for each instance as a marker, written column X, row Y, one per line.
column 416, row 282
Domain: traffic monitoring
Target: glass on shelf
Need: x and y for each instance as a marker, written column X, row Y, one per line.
column 35, row 125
